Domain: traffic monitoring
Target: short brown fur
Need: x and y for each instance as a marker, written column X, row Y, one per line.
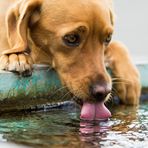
column 32, row 32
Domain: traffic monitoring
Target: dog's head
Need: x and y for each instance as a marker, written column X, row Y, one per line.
column 74, row 33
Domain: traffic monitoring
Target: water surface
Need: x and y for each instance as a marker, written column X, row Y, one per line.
column 128, row 127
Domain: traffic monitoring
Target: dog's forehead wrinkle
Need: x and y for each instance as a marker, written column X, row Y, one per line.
column 75, row 27
column 65, row 11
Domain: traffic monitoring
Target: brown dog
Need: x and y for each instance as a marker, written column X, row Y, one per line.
column 72, row 36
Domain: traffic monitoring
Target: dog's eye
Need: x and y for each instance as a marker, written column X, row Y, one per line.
column 72, row 40
column 108, row 39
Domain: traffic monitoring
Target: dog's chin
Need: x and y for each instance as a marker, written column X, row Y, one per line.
column 93, row 110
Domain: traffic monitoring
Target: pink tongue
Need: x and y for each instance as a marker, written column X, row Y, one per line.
column 94, row 111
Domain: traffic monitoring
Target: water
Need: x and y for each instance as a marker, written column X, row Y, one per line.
column 128, row 127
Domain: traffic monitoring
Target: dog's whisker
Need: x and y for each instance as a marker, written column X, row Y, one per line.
column 109, row 98
column 66, row 94
column 73, row 97
column 114, row 92
column 58, row 90
column 120, row 83
column 120, row 79
column 61, row 88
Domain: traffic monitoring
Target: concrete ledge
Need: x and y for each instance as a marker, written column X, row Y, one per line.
column 143, row 68
column 18, row 92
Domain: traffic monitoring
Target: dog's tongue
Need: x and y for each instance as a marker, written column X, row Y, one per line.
column 94, row 111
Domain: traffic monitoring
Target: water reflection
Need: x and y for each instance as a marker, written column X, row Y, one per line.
column 87, row 127
column 128, row 127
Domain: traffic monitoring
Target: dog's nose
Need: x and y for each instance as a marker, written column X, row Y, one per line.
column 100, row 91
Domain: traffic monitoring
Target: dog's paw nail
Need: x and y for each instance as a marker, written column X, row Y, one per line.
column 14, row 67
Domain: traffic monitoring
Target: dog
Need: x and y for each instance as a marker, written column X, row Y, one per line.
column 74, row 38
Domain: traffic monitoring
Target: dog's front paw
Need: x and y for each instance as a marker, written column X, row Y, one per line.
column 126, row 85
column 126, row 78
column 20, row 63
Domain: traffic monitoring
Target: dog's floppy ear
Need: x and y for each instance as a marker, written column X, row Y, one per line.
column 112, row 17
column 17, row 21
column 111, row 11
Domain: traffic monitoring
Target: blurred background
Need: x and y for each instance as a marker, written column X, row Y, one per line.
column 131, row 27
